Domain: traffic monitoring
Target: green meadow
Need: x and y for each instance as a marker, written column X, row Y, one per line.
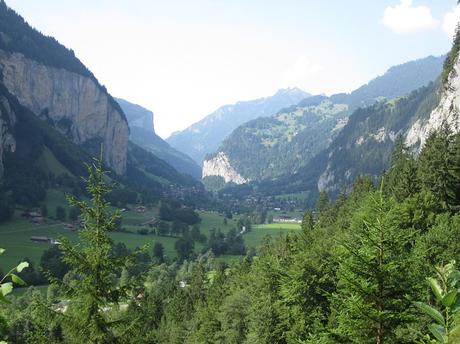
column 258, row 232
column 15, row 235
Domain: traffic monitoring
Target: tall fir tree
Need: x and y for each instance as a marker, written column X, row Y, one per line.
column 435, row 167
column 401, row 179
column 94, row 295
column 374, row 275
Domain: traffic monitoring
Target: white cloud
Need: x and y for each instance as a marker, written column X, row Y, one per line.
column 406, row 18
column 450, row 21
column 301, row 72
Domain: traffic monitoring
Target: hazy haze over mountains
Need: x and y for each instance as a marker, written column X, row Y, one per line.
column 142, row 133
column 206, row 135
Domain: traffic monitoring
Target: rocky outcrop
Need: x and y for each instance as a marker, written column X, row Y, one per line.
column 7, row 119
column 220, row 166
column 77, row 105
column 446, row 112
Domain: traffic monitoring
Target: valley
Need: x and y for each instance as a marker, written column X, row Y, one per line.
column 310, row 215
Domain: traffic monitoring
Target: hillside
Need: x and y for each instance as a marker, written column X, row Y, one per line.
column 33, row 67
column 282, row 144
column 55, row 116
column 206, row 135
column 142, row 133
column 363, row 147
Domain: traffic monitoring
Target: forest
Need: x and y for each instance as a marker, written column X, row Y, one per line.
column 377, row 265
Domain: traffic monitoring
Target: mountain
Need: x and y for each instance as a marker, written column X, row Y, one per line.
column 48, row 79
column 55, row 116
column 273, row 146
column 206, row 135
column 365, row 145
column 142, row 133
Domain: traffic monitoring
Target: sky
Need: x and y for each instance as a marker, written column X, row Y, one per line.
column 183, row 59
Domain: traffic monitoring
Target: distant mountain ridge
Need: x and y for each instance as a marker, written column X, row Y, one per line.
column 206, row 135
column 274, row 146
column 142, row 133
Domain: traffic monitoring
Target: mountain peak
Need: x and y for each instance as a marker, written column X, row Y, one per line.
column 291, row 91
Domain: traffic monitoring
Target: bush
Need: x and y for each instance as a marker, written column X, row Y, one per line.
column 143, row 231
column 60, row 213
column 6, row 208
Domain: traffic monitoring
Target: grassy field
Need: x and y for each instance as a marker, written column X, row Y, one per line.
column 258, row 232
column 212, row 220
column 15, row 235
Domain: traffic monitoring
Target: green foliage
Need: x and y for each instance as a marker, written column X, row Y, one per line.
column 401, row 180
column 10, row 278
column 451, row 59
column 307, row 221
column 436, row 171
column 91, row 292
column 445, row 288
column 6, row 207
column 372, row 298
column 60, row 213
column 158, row 252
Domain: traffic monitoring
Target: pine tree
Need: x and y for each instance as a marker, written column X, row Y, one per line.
column 307, row 221
column 454, row 161
column 374, row 274
column 401, row 179
column 435, row 169
column 94, row 296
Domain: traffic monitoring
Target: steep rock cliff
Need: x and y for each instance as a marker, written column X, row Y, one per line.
column 446, row 112
column 220, row 166
column 77, row 105
column 7, row 119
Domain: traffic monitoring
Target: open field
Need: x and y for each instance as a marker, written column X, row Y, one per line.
column 212, row 220
column 15, row 235
column 258, row 232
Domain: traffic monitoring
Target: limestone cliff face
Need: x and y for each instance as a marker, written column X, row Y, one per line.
column 220, row 166
column 78, row 105
column 448, row 111
column 7, row 119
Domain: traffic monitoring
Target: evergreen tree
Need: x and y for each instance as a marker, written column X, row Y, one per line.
column 375, row 275
column 435, row 169
column 307, row 221
column 455, row 169
column 158, row 252
column 60, row 213
column 94, row 292
column 401, row 179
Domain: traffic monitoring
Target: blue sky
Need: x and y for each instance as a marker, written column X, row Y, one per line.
column 183, row 59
